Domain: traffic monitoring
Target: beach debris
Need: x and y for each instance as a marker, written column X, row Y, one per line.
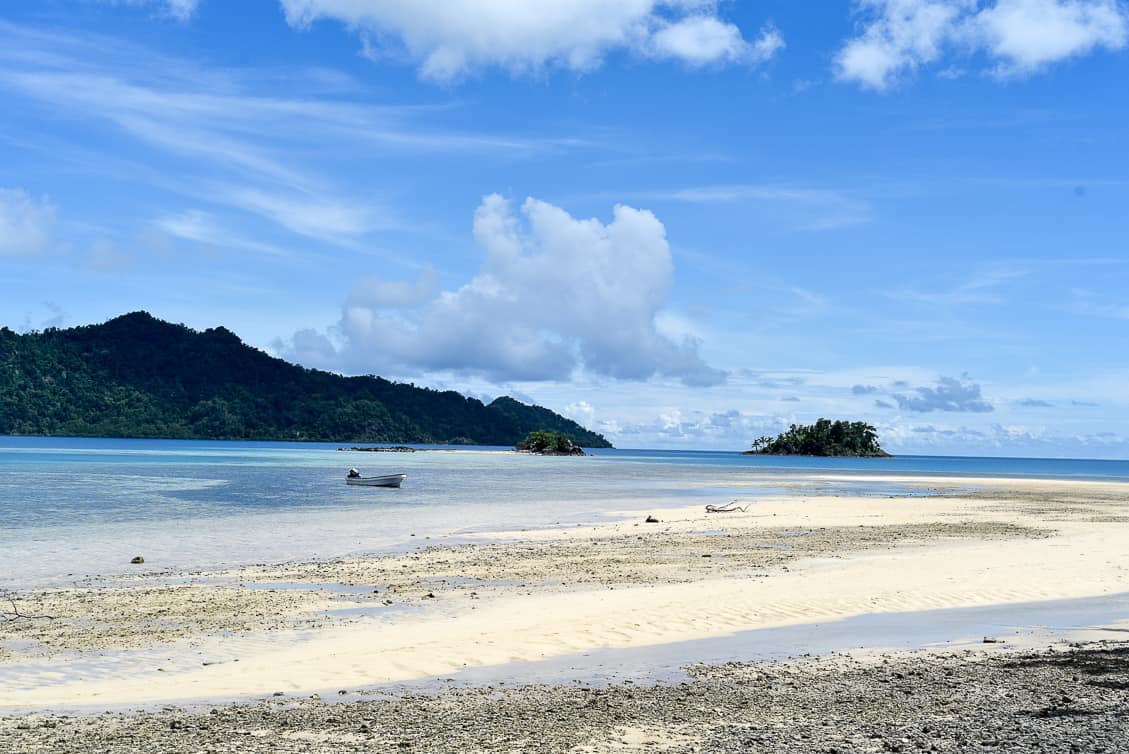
column 651, row 520
column 729, row 507
column 10, row 616
column 137, row 560
column 992, row 640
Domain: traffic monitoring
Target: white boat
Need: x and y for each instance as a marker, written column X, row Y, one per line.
column 388, row 480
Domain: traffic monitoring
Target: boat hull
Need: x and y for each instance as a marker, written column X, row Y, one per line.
column 388, row 480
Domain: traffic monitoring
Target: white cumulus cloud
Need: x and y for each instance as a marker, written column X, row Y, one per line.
column 25, row 223
column 451, row 37
column 699, row 40
column 555, row 294
column 1019, row 36
column 902, row 34
column 1028, row 34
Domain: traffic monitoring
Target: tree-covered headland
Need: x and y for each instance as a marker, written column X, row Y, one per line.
column 824, row 438
column 137, row 376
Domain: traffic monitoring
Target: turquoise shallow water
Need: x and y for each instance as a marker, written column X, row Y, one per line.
column 75, row 507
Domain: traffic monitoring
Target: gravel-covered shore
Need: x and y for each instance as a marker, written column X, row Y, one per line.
column 1070, row 699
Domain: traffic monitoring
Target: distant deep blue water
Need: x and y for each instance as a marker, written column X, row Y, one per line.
column 76, row 506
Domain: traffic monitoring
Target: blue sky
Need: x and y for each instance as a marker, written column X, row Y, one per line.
column 683, row 223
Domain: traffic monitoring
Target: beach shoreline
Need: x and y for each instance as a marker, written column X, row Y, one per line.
column 525, row 596
column 967, row 610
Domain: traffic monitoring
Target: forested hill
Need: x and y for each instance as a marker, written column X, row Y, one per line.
column 137, row 376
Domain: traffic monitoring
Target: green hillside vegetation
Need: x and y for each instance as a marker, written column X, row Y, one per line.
column 137, row 376
column 824, row 438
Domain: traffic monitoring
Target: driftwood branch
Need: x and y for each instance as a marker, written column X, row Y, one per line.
column 729, row 507
column 10, row 616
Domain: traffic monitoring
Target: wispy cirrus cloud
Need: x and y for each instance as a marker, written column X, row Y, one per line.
column 985, row 285
column 818, row 208
column 179, row 10
column 308, row 214
column 227, row 142
column 202, row 227
column 1018, row 37
column 776, row 379
column 1093, row 304
column 210, row 136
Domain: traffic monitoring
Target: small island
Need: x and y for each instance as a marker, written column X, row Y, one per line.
column 545, row 443
column 824, row 438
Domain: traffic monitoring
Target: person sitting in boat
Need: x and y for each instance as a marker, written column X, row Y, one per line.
column 353, row 474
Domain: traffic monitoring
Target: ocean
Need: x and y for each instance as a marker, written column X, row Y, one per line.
column 71, row 508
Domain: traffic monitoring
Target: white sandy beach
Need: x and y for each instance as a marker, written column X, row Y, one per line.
column 693, row 575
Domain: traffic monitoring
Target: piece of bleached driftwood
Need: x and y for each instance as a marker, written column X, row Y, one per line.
column 729, row 507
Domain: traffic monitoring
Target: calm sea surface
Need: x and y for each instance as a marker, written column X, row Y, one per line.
column 75, row 507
